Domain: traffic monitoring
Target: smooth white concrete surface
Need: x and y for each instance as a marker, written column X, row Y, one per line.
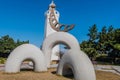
column 23, row 52
column 49, row 30
column 58, row 38
column 79, row 63
column 73, row 59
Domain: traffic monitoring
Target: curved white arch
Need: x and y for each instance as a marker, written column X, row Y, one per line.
column 79, row 63
column 23, row 52
column 58, row 38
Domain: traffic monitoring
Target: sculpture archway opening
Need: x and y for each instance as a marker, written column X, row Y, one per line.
column 67, row 71
column 63, row 48
column 28, row 65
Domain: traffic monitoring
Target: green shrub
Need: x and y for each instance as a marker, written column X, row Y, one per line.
column 2, row 60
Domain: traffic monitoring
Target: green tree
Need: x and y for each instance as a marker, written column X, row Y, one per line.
column 117, row 35
column 110, row 34
column 107, row 41
column 93, row 34
column 86, row 47
column 114, row 50
column 7, row 44
column 20, row 42
column 102, row 40
column 89, row 47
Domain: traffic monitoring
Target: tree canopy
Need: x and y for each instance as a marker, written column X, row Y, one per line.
column 7, row 44
column 106, row 41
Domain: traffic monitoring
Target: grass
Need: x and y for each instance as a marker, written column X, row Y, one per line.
column 50, row 75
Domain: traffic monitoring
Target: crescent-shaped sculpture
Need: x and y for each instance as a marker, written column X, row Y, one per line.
column 79, row 63
column 23, row 52
column 58, row 38
column 74, row 59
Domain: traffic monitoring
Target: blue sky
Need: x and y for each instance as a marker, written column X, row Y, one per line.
column 25, row 20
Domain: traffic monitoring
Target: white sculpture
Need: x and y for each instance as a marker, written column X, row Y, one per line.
column 79, row 63
column 23, row 52
column 49, row 30
column 74, row 59
column 58, row 38
column 52, row 25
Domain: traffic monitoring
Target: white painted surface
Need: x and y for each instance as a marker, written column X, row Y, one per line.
column 57, row 38
column 49, row 30
column 23, row 52
column 79, row 63
column 75, row 59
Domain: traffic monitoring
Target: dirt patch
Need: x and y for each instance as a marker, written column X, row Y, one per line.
column 50, row 75
column 101, row 75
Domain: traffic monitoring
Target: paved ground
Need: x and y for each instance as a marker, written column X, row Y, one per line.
column 1, row 67
column 24, row 66
column 108, row 68
column 116, row 68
